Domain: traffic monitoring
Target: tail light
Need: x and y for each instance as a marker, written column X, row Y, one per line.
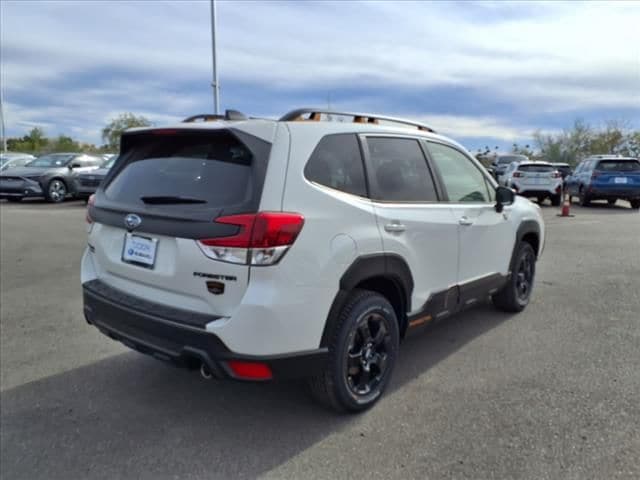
column 517, row 174
column 595, row 175
column 87, row 217
column 263, row 238
column 556, row 175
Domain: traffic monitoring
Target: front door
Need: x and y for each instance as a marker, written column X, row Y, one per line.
column 485, row 236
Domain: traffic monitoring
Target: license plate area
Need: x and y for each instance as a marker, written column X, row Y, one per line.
column 139, row 250
column 620, row 180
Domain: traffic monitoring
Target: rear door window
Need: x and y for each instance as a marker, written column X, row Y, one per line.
column 337, row 163
column 399, row 171
column 191, row 168
column 618, row 166
column 537, row 168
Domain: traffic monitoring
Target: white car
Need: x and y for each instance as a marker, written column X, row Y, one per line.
column 535, row 179
column 299, row 248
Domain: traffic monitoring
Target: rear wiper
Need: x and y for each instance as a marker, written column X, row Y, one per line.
column 168, row 199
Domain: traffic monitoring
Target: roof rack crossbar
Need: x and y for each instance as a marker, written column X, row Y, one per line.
column 315, row 113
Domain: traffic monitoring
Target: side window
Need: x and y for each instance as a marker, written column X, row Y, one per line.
column 399, row 171
column 462, row 179
column 336, row 162
column 93, row 162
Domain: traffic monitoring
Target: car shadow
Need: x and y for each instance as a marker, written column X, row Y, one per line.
column 130, row 416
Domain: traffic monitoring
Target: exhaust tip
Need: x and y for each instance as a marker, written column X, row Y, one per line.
column 205, row 372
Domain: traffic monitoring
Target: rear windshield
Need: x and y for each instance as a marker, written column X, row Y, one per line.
column 618, row 166
column 211, row 168
column 512, row 158
column 536, row 168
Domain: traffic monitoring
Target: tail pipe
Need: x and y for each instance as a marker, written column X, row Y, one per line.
column 205, row 372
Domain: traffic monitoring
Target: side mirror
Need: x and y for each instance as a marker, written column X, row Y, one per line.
column 504, row 196
column 74, row 165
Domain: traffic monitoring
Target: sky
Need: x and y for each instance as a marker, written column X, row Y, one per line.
column 484, row 73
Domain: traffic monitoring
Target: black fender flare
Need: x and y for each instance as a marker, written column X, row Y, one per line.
column 364, row 267
column 525, row 228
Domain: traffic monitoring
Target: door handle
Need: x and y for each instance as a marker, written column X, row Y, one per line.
column 466, row 221
column 395, row 227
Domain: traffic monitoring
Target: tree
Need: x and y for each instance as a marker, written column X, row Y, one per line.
column 64, row 144
column 113, row 130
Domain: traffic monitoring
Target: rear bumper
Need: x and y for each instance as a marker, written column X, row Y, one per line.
column 525, row 191
column 179, row 336
column 613, row 192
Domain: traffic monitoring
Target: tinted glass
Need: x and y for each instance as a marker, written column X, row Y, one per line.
column 512, row 158
column 337, row 163
column 52, row 161
column 536, row 168
column 399, row 171
column 618, row 166
column 462, row 179
column 211, row 167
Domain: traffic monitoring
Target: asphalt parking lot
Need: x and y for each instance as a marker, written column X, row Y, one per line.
column 550, row 393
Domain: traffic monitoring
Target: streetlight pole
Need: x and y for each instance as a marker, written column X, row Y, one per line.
column 2, row 131
column 214, row 83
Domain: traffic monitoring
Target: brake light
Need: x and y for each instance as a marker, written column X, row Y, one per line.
column 517, row 174
column 263, row 238
column 90, row 203
column 556, row 175
column 250, row 370
column 595, row 174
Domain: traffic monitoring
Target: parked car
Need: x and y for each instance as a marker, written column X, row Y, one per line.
column 86, row 183
column 48, row 176
column 260, row 249
column 606, row 177
column 502, row 162
column 12, row 160
column 505, row 178
column 537, row 179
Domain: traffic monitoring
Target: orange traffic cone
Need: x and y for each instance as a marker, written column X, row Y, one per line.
column 566, row 206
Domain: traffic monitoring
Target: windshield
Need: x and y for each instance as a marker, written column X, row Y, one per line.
column 618, row 166
column 55, row 160
column 109, row 163
column 511, row 158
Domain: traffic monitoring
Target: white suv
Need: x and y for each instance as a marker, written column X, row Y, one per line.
column 535, row 179
column 260, row 249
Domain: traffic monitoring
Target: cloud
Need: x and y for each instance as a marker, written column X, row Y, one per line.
column 490, row 69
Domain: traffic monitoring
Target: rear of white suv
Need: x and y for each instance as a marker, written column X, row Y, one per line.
column 260, row 250
column 537, row 179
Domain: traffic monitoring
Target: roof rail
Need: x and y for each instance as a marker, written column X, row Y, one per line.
column 209, row 117
column 315, row 114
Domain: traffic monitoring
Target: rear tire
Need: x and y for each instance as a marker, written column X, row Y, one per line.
column 14, row 199
column 635, row 204
column 362, row 353
column 583, row 198
column 555, row 200
column 515, row 295
column 611, row 201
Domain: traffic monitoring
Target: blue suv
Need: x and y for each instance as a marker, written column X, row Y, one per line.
column 606, row 177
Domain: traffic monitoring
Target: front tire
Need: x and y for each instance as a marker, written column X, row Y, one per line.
column 611, row 201
column 555, row 200
column 14, row 199
column 56, row 191
column 362, row 353
column 635, row 204
column 515, row 295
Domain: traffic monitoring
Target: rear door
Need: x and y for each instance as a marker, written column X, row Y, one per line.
column 412, row 222
column 164, row 195
column 486, row 237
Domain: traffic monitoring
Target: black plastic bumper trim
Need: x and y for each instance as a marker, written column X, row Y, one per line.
column 182, row 344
